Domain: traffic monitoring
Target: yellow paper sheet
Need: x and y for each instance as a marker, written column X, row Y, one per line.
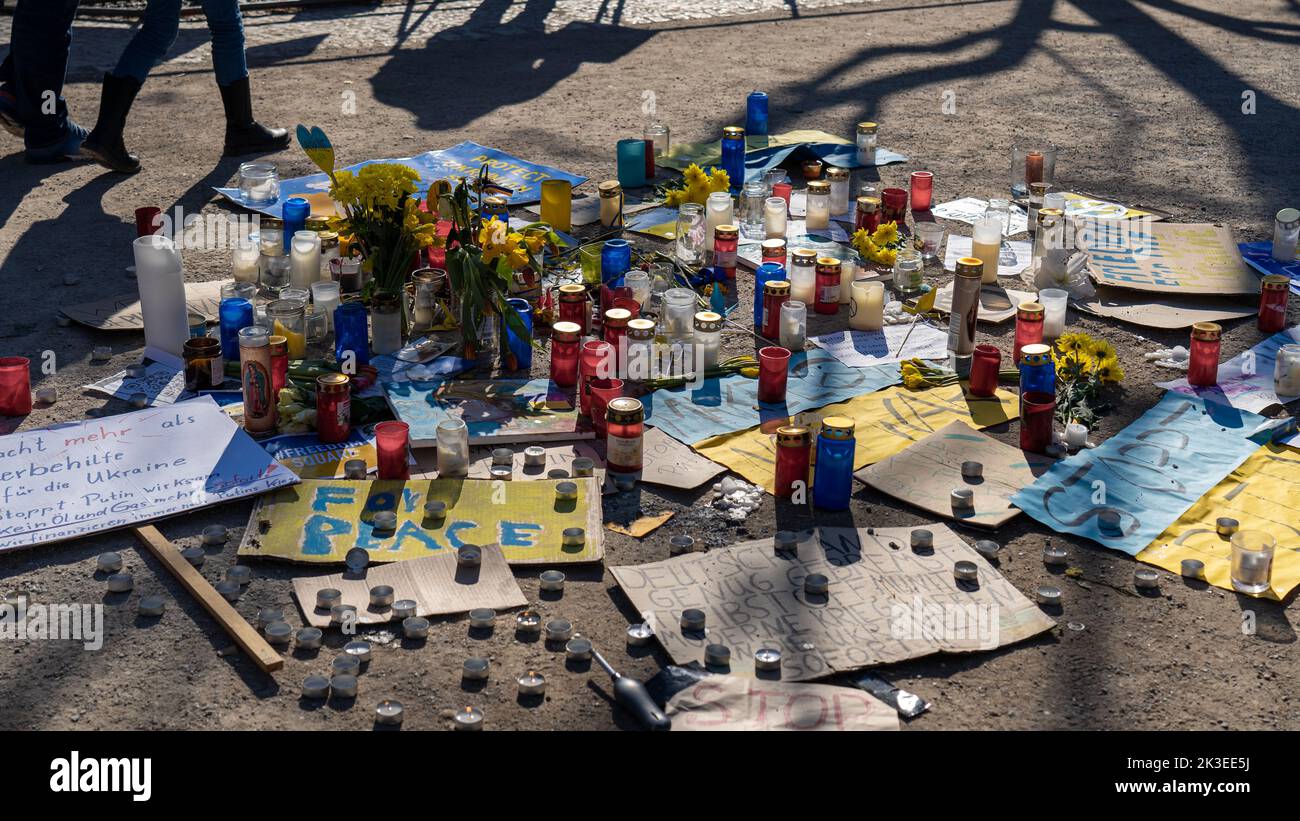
column 886, row 422
column 1263, row 493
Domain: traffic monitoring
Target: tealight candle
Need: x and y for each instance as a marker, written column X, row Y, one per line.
column 922, row 539
column 360, row 650
column 343, row 613
column 582, row 467
column 215, row 534
column 345, row 665
column 355, row 469
column 987, row 548
column 469, row 555
column 240, row 574
column 1048, row 595
column 468, row 718
column 109, row 562
column 503, row 456
column 1055, row 555
column 278, row 633
column 381, row 596
column 963, row 498
column 101, row 353
column 315, row 687
column 403, row 609
column 578, row 649
column 309, row 638
column 529, row 623
column 692, row 620
column 532, row 683
column 344, row 685
column 573, row 537
column 1144, row 578
column 971, row 470
column 138, row 401
column 194, row 555
column 389, row 711
column 1192, row 568
column 137, row 371
column 552, row 580
column 534, row 456
column 680, row 544
column 1108, row 520
column 1076, row 435
column 435, row 509
column 120, row 583
column 229, row 589
column 482, row 618
column 965, row 571
column 815, row 584
column 502, row 473
column 785, row 540
column 151, row 606
column 559, row 630
column 1225, row 526
column 47, row 394
column 767, row 659
column 717, row 655
column 566, row 491
column 267, row 615
column 384, row 520
column 327, row 597
column 475, row 669
column 357, row 559
column 415, row 627
column 638, row 634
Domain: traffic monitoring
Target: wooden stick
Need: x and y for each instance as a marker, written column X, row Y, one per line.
column 248, row 639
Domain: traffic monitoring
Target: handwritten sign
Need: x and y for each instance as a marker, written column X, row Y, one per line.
column 926, row 473
column 731, row 403
column 1246, row 380
column 887, row 603
column 1013, row 257
column 161, row 384
column 1149, row 473
column 862, row 349
column 1259, row 255
column 122, row 313
column 321, row 520
column 87, row 477
column 731, row 703
column 1189, row 258
column 498, row 411
column 885, row 422
column 664, row 461
column 310, row 458
column 1263, row 493
column 969, row 209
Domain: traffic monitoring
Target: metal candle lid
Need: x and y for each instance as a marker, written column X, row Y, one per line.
column 559, row 630
column 828, row 265
column 1030, row 312
column 1226, row 526
column 628, row 411
column 578, row 649
column 922, row 538
column 835, row 172
column 726, row 232
column 767, row 659
column 717, row 655
column 566, row 331
column 327, row 597
column 819, row 186
column 733, row 132
column 309, row 638
column 867, row 128
column 617, row 317
column 1206, row 331
column 1275, row 282
column 481, row 618
column 970, row 267
column 776, row 287
column 381, row 596
column 474, row 669
column 1192, row 568
column 837, row 427
column 1144, row 578
column 804, row 256
column 868, row 205
column 708, row 322
column 109, row 562
column 681, row 543
column 571, row 292
column 552, row 580
column 771, row 246
column 965, row 571
column 692, row 619
column 1048, row 595
column 609, row 188
column 415, row 627
column 641, row 329
column 815, row 584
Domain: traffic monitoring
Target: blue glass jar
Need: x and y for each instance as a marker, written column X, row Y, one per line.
column 1037, row 371
column 519, row 348
column 495, row 205
column 351, row 333
column 733, row 156
column 756, row 114
column 631, row 163
column 767, row 272
column 295, row 212
column 615, row 261
column 234, row 313
column 833, row 474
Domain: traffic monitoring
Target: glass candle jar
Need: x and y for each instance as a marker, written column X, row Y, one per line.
column 1203, row 364
column 611, row 204
column 589, row 258
column 793, row 457
column 1286, row 233
column 733, row 156
column 929, row 236
column 1037, row 370
column 893, row 207
column 325, row 297
column 1252, row 561
column 273, row 272
column 333, row 407
column 803, row 275
column 773, row 251
column 1054, row 302
column 304, row 261
column 639, row 283
column 624, row 434
column 279, row 364
column 289, row 320
column 386, row 323
column 1030, row 164
column 867, row 215
column 631, row 163
column 615, row 261
column 708, row 340
column 679, row 314
column 657, row 139
column 1029, row 327
column 866, row 144
column 839, row 182
column 518, row 351
column 640, row 349
column 922, row 190
column 817, row 213
column 1048, row 256
column 453, row 447
column 718, row 211
column 1037, row 411
column 783, row 190
column 255, row 380
column 826, row 298
column 346, row 271
column 15, row 386
column 600, row 393
column 204, row 367
column 725, row 240
column 773, row 373
column 752, row 197
column 615, row 331
column 909, row 271
column 965, row 308
column 986, row 245
column 763, row 274
column 566, row 337
column 329, row 251
column 235, row 313
column 595, row 361
column 867, row 310
column 351, row 334
column 295, row 211
column 756, row 113
column 794, row 325
column 1286, row 371
column 557, row 204
column 1273, row 294
column 985, row 364
column 1037, row 191
column 391, row 439
column 246, row 258
column 690, row 233
column 574, row 306
column 833, row 467
column 774, row 217
column 258, row 183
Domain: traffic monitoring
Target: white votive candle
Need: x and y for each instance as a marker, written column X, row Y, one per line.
column 1076, row 435
column 304, row 259
column 774, row 217
column 867, row 310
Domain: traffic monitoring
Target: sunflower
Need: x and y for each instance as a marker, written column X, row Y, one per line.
column 1101, row 349
column 1109, row 370
column 1074, row 342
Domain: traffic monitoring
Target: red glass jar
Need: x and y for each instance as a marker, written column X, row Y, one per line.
column 1203, row 364
column 15, row 386
column 725, row 240
column 893, row 206
column 624, row 435
column 615, row 331
column 1037, row 410
column 1029, row 327
column 595, row 361
column 390, row 443
column 783, row 190
column 565, row 341
column 1273, row 293
column 575, row 306
column 775, row 294
column 867, row 215
column 333, row 407
column 773, row 372
column 984, row 366
column 922, row 190
column 649, row 159
column 602, row 392
column 826, row 297
column 774, row 251
column 793, row 456
column 279, row 366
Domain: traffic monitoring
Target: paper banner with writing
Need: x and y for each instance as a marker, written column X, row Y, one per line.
column 738, row 703
column 886, row 602
column 1148, row 474
column 1262, row 493
column 1246, row 380
column 1186, row 258
column 497, row 411
column 1259, row 255
column 86, row 477
column 310, row 458
column 690, row 414
column 885, row 422
column 322, row 519
column 925, row 474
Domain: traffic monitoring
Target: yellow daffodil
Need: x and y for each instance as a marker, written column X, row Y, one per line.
column 695, row 175
column 885, row 233
column 719, row 180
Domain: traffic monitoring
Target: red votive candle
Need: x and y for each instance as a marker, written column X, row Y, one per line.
column 922, row 190
column 1203, row 364
column 279, row 365
column 773, row 367
column 782, row 190
column 1036, row 413
column 1033, row 167
column 595, row 361
column 793, row 455
column 826, row 298
column 575, row 306
column 1029, row 327
column 565, row 341
column 148, row 220
column 1273, row 292
column 984, row 366
column 390, row 442
column 15, row 386
column 602, row 391
column 893, row 206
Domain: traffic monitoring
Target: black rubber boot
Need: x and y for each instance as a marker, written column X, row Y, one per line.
column 244, row 135
column 105, row 145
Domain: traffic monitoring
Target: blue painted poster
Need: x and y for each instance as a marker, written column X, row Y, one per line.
column 1147, row 474
column 1259, row 255
column 498, row 411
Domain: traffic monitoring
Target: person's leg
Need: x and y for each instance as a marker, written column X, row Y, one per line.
column 244, row 135
column 158, row 29
column 40, row 39
column 8, row 102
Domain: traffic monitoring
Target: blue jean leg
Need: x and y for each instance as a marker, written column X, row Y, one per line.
column 158, row 29
column 39, row 44
column 227, row 29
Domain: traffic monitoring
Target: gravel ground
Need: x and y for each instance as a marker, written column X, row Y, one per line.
column 1147, row 100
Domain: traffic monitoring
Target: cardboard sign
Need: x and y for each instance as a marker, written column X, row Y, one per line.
column 87, row 477
column 1149, row 473
column 731, row 403
column 498, row 411
column 322, row 519
column 664, row 460
column 310, row 458
column 926, row 473
column 122, row 313
column 1263, row 493
column 161, row 384
column 890, row 345
column 997, row 304
column 434, row 582
column 1188, row 258
column 887, row 603
column 1167, row 311
column 736, row 703
column 462, row 160
column 885, row 422
column 1246, row 380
